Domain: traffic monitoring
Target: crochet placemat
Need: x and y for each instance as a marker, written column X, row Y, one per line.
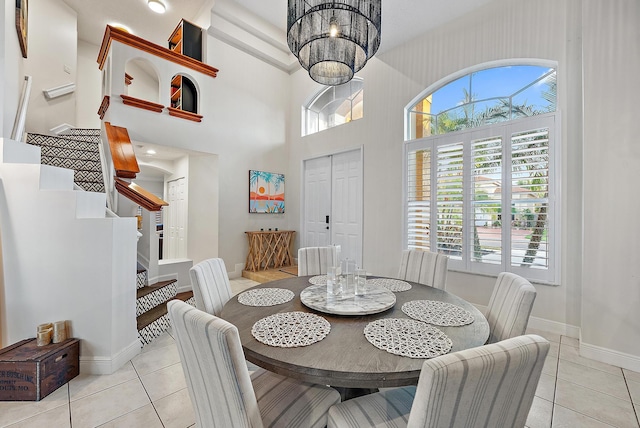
column 291, row 329
column 408, row 338
column 318, row 280
column 265, row 297
column 390, row 284
column 438, row 313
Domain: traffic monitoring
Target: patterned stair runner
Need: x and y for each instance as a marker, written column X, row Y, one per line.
column 151, row 305
column 77, row 150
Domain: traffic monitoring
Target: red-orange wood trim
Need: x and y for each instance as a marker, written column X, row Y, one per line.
column 139, row 195
column 127, row 78
column 112, row 33
column 184, row 114
column 143, row 104
column 104, row 106
column 124, row 158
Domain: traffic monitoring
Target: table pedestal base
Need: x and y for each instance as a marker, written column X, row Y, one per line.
column 349, row 393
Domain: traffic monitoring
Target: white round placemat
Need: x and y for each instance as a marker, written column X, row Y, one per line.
column 408, row 338
column 390, row 284
column 318, row 280
column 291, row 329
column 265, row 297
column 438, row 313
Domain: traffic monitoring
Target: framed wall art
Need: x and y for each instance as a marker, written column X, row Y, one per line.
column 21, row 24
column 266, row 192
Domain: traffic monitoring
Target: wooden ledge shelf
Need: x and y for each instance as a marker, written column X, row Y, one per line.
column 112, row 33
column 104, row 106
column 139, row 195
column 182, row 114
column 143, row 104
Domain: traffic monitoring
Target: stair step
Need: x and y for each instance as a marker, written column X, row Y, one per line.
column 82, row 132
column 155, row 322
column 151, row 296
column 61, row 143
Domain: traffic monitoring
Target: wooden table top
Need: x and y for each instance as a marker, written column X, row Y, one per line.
column 345, row 358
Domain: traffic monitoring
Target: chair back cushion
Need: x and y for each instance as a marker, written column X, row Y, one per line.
column 214, row 368
column 315, row 260
column 211, row 287
column 509, row 307
column 424, row 267
column 488, row 386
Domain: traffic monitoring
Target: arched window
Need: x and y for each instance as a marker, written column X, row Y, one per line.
column 481, row 166
column 333, row 106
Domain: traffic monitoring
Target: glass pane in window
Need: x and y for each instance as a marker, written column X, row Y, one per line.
column 450, row 95
column 423, row 125
column 504, row 81
column 486, row 200
column 450, row 200
column 530, row 199
column 333, row 106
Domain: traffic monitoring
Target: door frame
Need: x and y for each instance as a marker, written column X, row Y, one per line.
column 360, row 149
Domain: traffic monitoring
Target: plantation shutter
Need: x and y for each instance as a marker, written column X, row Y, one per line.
column 486, row 200
column 419, row 199
column 449, row 197
column 530, row 198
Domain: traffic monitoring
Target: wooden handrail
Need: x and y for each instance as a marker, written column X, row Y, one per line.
column 128, row 79
column 113, row 33
column 139, row 195
column 124, row 158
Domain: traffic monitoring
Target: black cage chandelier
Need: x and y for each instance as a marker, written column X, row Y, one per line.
column 333, row 39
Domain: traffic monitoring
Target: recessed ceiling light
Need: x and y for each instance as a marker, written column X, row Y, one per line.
column 151, row 152
column 157, row 6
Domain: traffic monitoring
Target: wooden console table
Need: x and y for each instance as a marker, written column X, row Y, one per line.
column 270, row 249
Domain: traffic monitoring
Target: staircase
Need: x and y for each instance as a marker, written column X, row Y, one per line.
column 151, row 305
column 76, row 149
column 79, row 150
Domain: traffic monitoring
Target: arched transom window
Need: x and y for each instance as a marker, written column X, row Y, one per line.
column 333, row 106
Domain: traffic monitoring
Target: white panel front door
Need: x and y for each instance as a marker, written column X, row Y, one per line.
column 317, row 202
column 346, row 224
column 333, row 187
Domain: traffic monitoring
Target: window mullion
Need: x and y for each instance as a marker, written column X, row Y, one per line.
column 506, row 198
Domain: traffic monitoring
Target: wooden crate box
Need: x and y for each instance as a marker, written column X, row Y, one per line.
column 29, row 372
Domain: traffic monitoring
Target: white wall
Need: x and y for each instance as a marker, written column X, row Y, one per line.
column 611, row 274
column 88, row 94
column 545, row 29
column 49, row 53
column 145, row 84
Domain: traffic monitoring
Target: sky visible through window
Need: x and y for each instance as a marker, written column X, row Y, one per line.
column 491, row 83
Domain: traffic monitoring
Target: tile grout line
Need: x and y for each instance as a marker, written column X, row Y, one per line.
column 633, row 405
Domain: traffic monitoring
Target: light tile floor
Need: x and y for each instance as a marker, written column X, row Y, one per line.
column 150, row 392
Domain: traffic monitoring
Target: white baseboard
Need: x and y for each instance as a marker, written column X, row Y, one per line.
column 608, row 356
column 104, row 366
column 237, row 271
column 159, row 278
column 554, row 327
column 185, row 288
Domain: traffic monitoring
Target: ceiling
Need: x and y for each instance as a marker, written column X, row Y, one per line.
column 402, row 20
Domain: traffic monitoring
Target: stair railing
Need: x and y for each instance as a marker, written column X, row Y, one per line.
column 17, row 133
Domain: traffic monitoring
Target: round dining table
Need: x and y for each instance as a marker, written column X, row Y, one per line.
column 345, row 358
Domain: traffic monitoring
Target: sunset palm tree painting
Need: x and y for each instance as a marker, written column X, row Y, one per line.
column 266, row 192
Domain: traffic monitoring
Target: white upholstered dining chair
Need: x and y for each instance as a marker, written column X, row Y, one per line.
column 424, row 267
column 488, row 386
column 509, row 307
column 316, row 260
column 222, row 391
column 211, row 287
